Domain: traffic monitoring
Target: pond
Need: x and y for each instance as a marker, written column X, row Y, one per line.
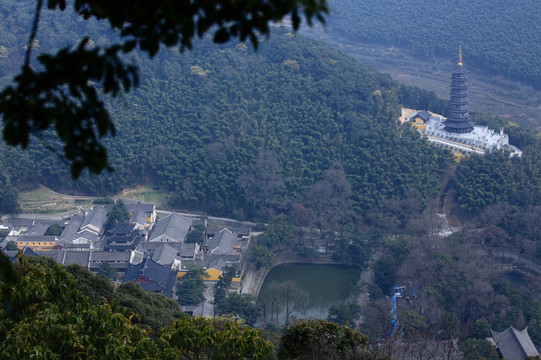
column 307, row 290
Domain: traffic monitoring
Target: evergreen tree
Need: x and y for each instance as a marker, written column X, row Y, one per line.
column 118, row 214
column 54, row 230
column 239, row 305
column 220, row 289
column 197, row 235
column 107, row 270
column 344, row 314
column 191, row 289
column 11, row 246
column 320, row 339
column 9, row 200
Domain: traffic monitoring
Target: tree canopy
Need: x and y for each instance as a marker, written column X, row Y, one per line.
column 58, row 101
column 106, row 269
column 191, row 290
column 43, row 312
column 44, row 315
column 319, row 339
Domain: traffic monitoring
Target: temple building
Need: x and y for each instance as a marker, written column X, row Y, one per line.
column 513, row 344
column 458, row 132
column 458, row 120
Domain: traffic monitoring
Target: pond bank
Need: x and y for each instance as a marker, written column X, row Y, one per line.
column 253, row 279
column 306, row 290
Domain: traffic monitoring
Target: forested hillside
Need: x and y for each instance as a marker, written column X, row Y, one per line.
column 206, row 125
column 498, row 35
column 228, row 130
column 482, row 181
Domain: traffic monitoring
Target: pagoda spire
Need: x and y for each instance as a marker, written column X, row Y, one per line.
column 458, row 119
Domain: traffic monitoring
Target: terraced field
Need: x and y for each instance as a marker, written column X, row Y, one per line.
column 46, row 201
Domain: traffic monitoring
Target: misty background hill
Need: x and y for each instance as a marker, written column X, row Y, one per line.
column 503, row 37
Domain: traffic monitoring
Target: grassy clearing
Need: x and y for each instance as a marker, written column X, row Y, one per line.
column 45, row 201
column 145, row 194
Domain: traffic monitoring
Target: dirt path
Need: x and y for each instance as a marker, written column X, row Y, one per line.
column 363, row 297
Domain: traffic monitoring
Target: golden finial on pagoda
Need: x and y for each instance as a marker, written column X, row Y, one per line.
column 460, row 55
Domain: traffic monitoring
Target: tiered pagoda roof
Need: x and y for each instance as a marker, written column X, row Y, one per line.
column 458, row 119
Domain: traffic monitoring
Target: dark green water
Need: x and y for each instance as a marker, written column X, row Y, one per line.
column 322, row 285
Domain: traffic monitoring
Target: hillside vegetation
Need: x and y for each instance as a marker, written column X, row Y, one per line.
column 229, row 131
column 497, row 35
column 207, row 125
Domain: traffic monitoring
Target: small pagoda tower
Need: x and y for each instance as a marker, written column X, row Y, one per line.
column 458, row 119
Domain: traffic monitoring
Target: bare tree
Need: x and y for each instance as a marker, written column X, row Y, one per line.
column 263, row 184
column 295, row 299
column 289, row 296
column 330, row 199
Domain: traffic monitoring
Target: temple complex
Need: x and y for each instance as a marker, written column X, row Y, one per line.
column 458, row 132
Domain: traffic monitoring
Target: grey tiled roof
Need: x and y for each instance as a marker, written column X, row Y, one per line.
column 165, row 254
column 38, row 229
column 73, row 247
column 121, row 239
column 76, row 257
column 29, row 252
column 133, row 206
column 151, row 286
column 28, row 223
column 193, row 310
column 218, row 262
column 118, row 246
column 213, row 261
column 158, row 278
column 222, row 243
column 71, row 229
column 139, row 212
column 173, row 227
column 11, row 254
column 111, row 256
column 134, row 272
column 139, row 217
column 121, row 229
column 36, row 238
column 514, row 344
column 56, row 255
column 425, row 115
column 152, row 246
column 89, row 235
column 95, row 217
column 241, row 231
column 188, row 250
